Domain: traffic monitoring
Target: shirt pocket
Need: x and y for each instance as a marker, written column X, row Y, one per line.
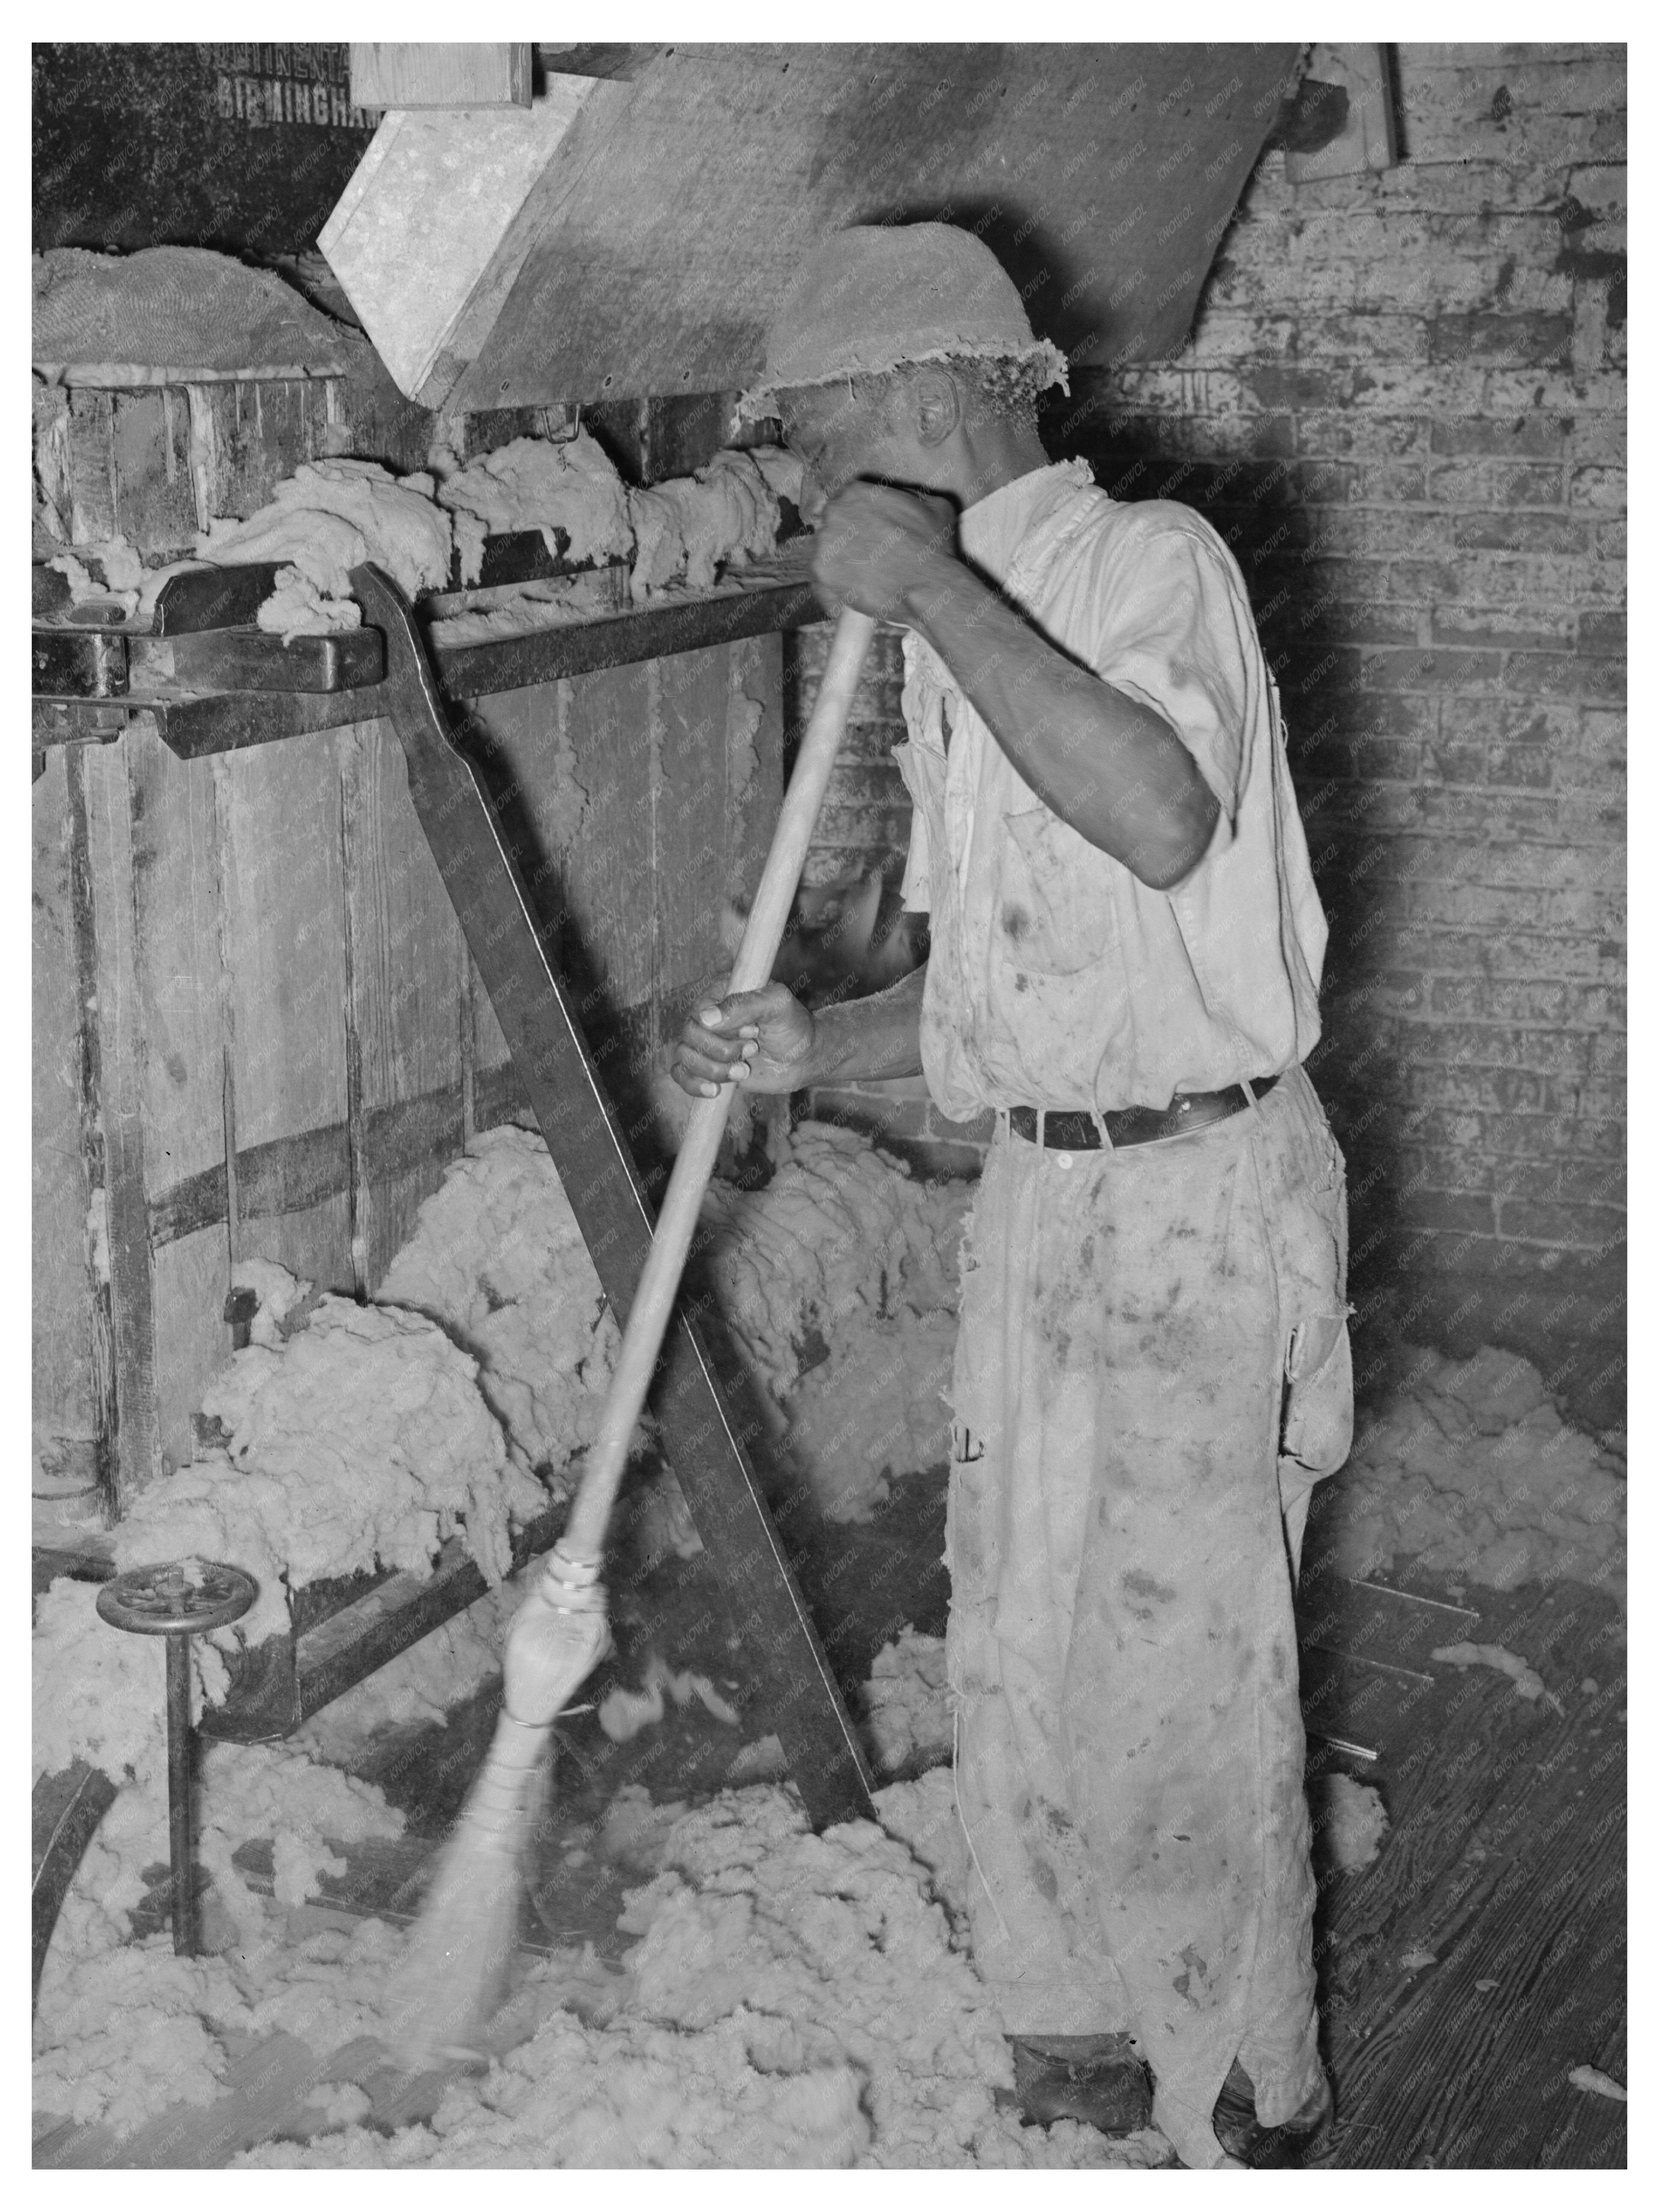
column 1053, row 911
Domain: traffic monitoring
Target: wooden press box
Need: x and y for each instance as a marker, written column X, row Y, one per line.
column 257, row 1032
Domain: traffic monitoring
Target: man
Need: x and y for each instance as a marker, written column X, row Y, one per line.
column 1153, row 1366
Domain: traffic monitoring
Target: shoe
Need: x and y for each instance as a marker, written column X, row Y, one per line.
column 1096, row 2079
column 1252, row 2144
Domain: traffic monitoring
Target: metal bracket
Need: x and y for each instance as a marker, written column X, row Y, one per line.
column 245, row 660
column 79, row 664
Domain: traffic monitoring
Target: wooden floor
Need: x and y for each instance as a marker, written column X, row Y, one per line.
column 1481, row 1958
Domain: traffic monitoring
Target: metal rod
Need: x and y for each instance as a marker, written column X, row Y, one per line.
column 184, row 1931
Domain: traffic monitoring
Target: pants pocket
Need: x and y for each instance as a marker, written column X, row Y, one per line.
column 1317, row 1431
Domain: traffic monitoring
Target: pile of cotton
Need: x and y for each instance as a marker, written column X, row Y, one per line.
column 1467, row 1468
column 837, row 1286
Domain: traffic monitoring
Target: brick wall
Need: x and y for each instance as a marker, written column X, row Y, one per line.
column 1403, row 404
column 864, row 822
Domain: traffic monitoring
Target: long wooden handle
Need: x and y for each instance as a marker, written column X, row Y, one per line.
column 676, row 1224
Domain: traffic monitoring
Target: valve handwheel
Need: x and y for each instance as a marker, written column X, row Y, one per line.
column 184, row 1598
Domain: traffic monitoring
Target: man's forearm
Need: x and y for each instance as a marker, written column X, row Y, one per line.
column 1105, row 762
column 867, row 1039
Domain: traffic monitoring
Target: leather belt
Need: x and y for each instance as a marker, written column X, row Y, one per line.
column 1067, row 1131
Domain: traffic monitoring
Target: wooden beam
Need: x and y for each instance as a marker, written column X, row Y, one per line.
column 66, row 1300
column 340, row 1631
column 66, row 1809
column 412, row 1138
column 404, row 76
column 405, row 966
column 284, row 936
column 232, row 721
column 180, row 1075
column 112, row 1127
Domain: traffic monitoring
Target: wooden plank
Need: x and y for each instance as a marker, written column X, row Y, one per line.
column 404, row 962
column 92, row 517
column 339, row 1651
column 1503, row 1867
column 690, row 873
column 370, row 418
column 67, row 1405
column 270, row 441
column 284, row 958
column 1526, row 1978
column 608, row 949
column 754, row 792
column 53, row 505
column 407, row 1137
column 246, row 437
column 1528, row 1994
column 99, row 1293
column 213, row 447
column 193, row 1338
column 343, row 1632
column 684, row 431
column 523, row 736
column 491, row 1084
column 176, row 901
column 56, row 1548
column 736, row 609
column 658, row 259
column 154, row 501
column 611, row 741
column 572, row 766
column 754, row 759
column 441, row 76
column 115, row 1083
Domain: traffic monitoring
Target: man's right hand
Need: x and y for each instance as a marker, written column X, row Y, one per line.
column 763, row 1038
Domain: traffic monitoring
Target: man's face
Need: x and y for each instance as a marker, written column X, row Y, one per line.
column 840, row 436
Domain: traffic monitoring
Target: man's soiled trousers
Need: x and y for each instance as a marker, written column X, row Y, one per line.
column 1152, row 1371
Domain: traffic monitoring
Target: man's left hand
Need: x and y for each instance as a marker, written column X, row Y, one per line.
column 875, row 544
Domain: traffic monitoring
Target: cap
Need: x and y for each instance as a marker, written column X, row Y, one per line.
column 881, row 295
